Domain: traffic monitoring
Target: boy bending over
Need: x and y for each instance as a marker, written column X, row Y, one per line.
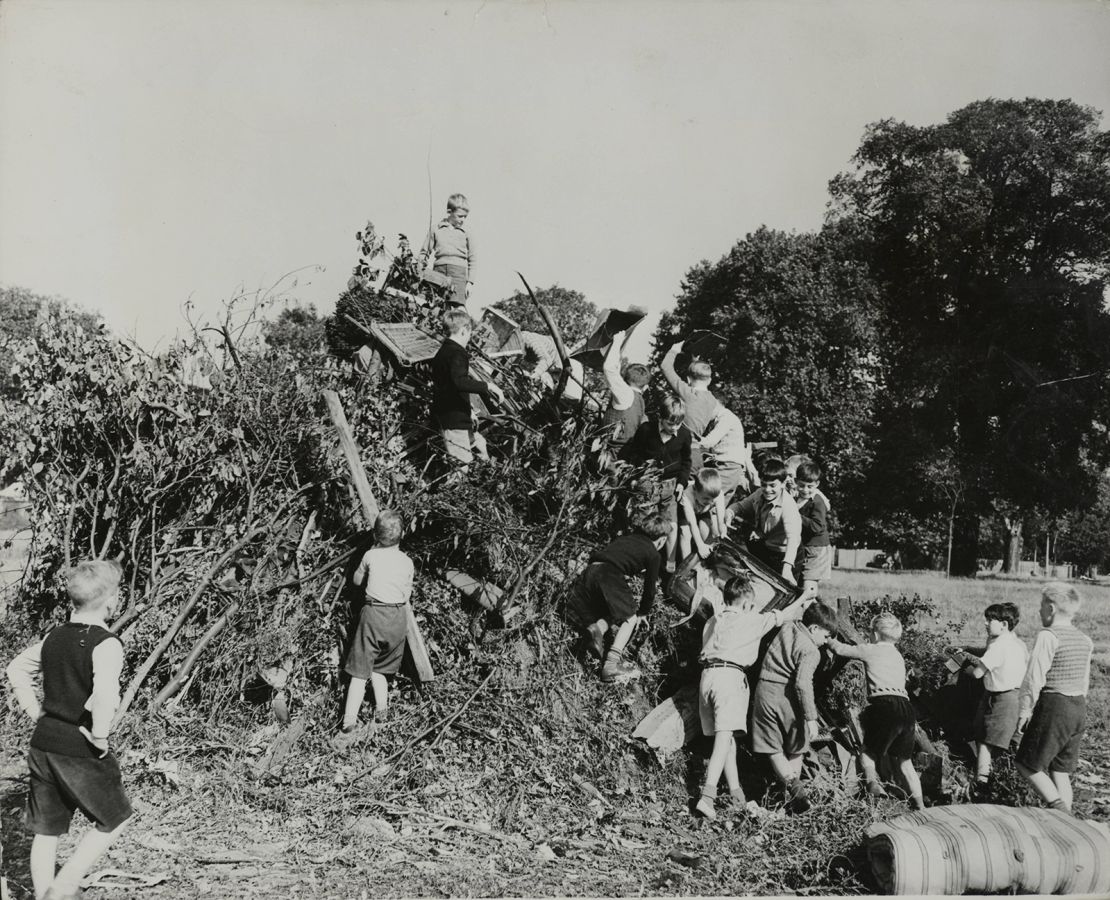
column 71, row 765
column 701, row 514
column 601, row 603
column 784, row 714
column 1053, row 698
column 889, row 722
column 730, row 645
column 385, row 575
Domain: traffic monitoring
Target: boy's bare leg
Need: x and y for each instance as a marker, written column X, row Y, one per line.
column 381, row 691
column 782, row 768
column 356, row 693
column 732, row 774
column 722, row 744
column 44, row 854
column 1046, row 786
column 913, row 782
column 684, row 541
column 672, row 543
column 88, row 850
column 624, row 633
column 1063, row 787
column 982, row 761
column 480, row 448
column 871, row 774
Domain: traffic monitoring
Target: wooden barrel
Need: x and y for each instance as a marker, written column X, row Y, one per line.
column 981, row 848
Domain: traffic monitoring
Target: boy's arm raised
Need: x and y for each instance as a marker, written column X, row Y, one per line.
column 668, row 368
column 611, row 369
column 22, row 672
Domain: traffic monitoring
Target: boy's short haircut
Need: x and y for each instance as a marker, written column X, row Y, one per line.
column 820, row 615
column 457, row 201
column 808, row 471
column 1063, row 596
column 455, row 320
column 1002, row 612
column 655, row 526
column 1013, row 610
column 92, row 580
column 796, row 460
column 672, row 410
column 389, row 528
column 700, row 371
column 739, row 587
column 887, row 626
column 637, row 374
column 708, row 481
column 772, row 469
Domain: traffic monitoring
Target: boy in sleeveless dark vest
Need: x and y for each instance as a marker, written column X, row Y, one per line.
column 71, row 765
column 1052, row 701
column 626, row 410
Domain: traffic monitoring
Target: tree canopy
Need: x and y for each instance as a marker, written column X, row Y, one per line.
column 570, row 309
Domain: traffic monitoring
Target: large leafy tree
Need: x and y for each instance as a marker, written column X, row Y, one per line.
column 989, row 236
column 799, row 316
column 572, row 312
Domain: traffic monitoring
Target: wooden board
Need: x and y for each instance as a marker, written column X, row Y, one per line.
column 486, row 595
column 405, row 342
column 504, row 335
column 673, row 723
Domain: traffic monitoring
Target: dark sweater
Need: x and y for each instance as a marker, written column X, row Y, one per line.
column 452, row 386
column 815, row 528
column 631, row 554
column 673, row 455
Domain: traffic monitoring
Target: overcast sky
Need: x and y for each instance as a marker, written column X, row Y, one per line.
column 153, row 151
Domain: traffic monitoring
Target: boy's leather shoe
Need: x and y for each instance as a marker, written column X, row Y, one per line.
column 617, row 669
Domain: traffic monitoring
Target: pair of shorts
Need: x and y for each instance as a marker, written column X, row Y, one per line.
column 600, row 592
column 462, row 443
column 815, row 563
column 1052, row 738
column 889, row 726
column 62, row 784
column 379, row 642
column 996, row 718
column 778, row 723
column 723, row 700
column 458, row 276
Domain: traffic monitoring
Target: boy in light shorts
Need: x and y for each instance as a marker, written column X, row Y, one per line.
column 730, row 645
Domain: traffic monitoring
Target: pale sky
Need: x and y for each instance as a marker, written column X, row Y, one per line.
column 153, row 151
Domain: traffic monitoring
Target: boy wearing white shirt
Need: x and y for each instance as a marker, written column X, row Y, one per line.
column 1002, row 668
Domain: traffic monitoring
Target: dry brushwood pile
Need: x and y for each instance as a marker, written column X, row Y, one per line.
column 224, row 490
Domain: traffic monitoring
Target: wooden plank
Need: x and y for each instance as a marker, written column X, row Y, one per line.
column 673, row 723
column 422, row 663
column 485, row 594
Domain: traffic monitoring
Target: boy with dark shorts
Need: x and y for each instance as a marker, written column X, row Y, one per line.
column 71, row 766
column 600, row 598
column 1002, row 668
column 784, row 711
column 889, row 723
column 730, row 645
column 1053, row 698
column 385, row 575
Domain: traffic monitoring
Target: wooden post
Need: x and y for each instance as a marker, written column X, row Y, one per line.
column 417, row 648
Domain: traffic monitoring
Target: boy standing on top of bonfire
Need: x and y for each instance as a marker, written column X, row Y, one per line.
column 451, row 247
column 71, row 765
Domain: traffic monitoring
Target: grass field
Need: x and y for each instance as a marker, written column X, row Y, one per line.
column 962, row 600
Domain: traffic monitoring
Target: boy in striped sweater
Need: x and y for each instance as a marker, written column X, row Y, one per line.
column 1053, row 699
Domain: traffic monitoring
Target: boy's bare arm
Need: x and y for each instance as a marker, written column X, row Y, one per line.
column 22, row 672
column 668, row 366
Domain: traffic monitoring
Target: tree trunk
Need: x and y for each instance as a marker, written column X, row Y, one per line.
column 1011, row 562
column 965, row 546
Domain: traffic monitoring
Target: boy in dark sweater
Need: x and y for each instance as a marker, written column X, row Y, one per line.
column 784, row 711
column 814, row 563
column 1052, row 701
column 666, row 441
column 600, row 598
column 452, row 387
column 71, row 765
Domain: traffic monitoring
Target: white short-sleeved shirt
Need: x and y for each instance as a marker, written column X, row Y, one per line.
column 1005, row 660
